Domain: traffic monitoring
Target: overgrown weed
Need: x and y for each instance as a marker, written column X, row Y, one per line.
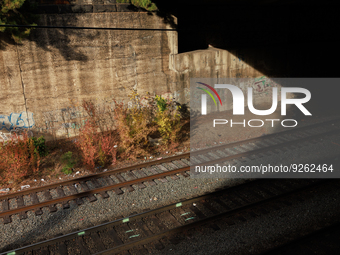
column 69, row 162
column 134, row 124
column 20, row 157
column 96, row 145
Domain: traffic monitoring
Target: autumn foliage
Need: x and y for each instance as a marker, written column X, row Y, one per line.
column 96, row 145
column 19, row 158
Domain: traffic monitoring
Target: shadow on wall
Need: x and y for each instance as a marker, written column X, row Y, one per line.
column 54, row 37
column 168, row 17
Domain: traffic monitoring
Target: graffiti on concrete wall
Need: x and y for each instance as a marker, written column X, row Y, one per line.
column 16, row 121
column 71, row 117
column 262, row 84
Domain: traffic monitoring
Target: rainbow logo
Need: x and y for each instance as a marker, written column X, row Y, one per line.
column 213, row 90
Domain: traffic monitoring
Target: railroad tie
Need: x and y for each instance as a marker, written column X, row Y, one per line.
column 74, row 191
column 154, row 171
column 47, row 195
column 121, row 179
column 143, row 174
column 61, row 249
column 61, row 194
column 180, row 163
column 82, row 246
column 20, row 203
column 110, row 182
column 98, row 241
column 35, row 200
column 97, row 185
column 157, row 244
column 134, row 177
column 5, row 207
column 164, row 169
column 86, row 188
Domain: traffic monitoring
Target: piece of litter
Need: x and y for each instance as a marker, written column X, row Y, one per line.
column 25, row 186
column 159, row 158
column 4, row 190
column 151, row 157
column 105, row 170
column 195, row 187
column 155, row 198
column 35, row 180
column 59, row 178
column 166, row 152
column 77, row 172
column 115, row 146
column 194, row 204
column 134, row 236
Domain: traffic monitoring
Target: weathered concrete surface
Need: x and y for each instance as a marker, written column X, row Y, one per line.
column 57, row 68
column 215, row 63
column 44, row 80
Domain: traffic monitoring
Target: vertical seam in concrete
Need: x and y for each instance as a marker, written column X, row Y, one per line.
column 22, row 84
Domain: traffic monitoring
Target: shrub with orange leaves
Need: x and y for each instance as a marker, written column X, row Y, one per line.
column 96, row 145
column 19, row 158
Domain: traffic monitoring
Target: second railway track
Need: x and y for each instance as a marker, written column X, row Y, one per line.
column 154, row 229
column 145, row 174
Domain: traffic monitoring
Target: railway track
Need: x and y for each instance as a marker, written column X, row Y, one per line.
column 146, row 173
column 154, row 229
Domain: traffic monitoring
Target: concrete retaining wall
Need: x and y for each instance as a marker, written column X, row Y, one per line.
column 44, row 80
column 56, row 69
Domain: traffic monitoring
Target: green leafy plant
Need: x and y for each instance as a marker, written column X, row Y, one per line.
column 161, row 103
column 146, row 4
column 13, row 12
column 40, row 146
column 69, row 162
column 168, row 120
